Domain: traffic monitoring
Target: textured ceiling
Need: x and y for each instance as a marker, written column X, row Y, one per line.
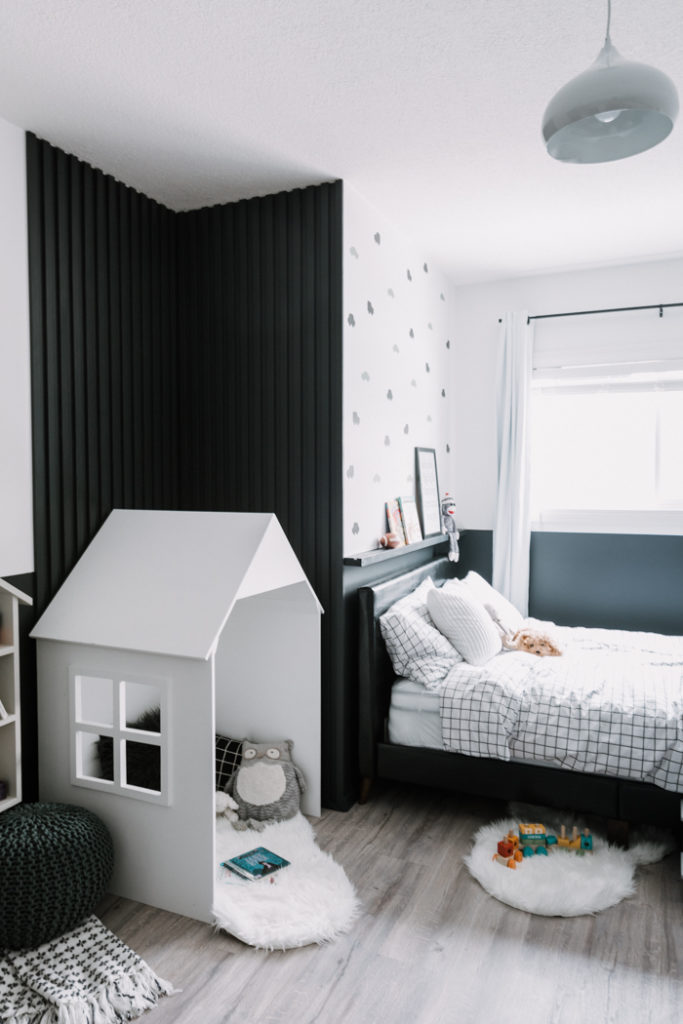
column 429, row 108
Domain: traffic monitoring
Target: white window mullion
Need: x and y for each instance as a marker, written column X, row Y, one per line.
column 83, row 723
column 119, row 768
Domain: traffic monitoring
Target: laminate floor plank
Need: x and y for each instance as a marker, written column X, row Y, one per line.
column 430, row 946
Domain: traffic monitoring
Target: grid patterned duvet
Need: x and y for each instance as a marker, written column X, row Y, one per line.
column 612, row 704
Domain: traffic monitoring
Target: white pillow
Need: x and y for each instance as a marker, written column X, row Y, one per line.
column 415, row 646
column 510, row 619
column 462, row 618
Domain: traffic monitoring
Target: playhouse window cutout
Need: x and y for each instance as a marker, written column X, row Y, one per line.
column 141, row 706
column 119, row 736
column 141, row 766
column 90, row 765
column 95, row 700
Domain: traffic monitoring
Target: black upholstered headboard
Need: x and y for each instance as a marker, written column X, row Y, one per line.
column 375, row 674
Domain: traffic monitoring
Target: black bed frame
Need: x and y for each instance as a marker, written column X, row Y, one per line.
column 617, row 800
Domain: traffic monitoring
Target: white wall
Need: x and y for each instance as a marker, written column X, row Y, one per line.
column 16, row 511
column 473, row 369
column 399, row 329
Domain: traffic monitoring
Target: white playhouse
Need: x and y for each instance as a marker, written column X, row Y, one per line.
column 174, row 627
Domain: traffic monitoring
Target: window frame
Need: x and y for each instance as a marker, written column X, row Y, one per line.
column 120, row 734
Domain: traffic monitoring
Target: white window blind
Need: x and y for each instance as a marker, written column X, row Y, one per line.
column 608, row 344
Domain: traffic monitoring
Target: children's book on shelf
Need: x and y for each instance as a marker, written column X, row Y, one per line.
column 3, row 711
column 394, row 520
column 411, row 520
column 255, row 863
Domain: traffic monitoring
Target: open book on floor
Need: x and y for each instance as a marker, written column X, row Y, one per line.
column 255, row 863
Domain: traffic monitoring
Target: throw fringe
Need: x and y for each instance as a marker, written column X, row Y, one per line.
column 120, row 1000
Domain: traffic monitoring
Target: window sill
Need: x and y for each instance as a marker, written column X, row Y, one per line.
column 664, row 522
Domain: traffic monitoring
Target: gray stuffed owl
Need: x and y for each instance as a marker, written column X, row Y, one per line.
column 266, row 786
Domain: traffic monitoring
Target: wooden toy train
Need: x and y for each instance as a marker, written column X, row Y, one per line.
column 533, row 839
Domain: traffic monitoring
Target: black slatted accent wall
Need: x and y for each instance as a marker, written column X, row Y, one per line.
column 190, row 361
column 103, row 355
column 261, row 364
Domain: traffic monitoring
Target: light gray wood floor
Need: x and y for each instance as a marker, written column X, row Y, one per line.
column 431, row 946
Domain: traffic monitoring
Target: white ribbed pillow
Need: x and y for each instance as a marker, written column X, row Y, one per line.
column 506, row 613
column 464, row 621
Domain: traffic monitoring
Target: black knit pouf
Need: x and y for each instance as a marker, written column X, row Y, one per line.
column 55, row 864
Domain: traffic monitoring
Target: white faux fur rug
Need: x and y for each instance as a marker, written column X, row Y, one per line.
column 562, row 884
column 311, row 901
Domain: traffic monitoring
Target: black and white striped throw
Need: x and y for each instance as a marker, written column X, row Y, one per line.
column 87, row 976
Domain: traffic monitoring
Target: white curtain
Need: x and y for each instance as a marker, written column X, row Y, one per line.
column 512, row 530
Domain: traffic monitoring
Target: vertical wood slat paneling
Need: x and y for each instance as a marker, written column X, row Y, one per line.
column 36, row 264
column 294, row 329
column 91, row 356
column 95, row 395
column 261, row 343
column 80, row 411
column 54, row 554
column 186, row 361
column 257, row 338
column 65, row 357
column 114, row 265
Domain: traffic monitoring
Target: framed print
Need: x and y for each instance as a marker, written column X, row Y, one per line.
column 427, row 484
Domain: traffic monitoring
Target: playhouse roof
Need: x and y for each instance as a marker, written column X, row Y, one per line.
column 166, row 582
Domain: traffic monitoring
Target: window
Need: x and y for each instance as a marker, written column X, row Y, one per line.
column 606, row 430
column 119, row 735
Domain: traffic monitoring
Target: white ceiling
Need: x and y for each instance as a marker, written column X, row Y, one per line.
column 431, row 109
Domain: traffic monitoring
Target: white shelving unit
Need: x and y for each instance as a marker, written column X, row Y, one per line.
column 10, row 700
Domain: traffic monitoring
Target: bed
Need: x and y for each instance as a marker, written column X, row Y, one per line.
column 414, row 753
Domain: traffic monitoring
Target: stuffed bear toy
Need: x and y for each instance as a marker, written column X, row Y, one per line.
column 531, row 642
column 226, row 806
column 527, row 640
column 266, row 786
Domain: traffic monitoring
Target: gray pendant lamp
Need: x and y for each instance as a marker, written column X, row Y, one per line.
column 615, row 109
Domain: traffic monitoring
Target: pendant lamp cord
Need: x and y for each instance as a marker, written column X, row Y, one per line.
column 609, row 21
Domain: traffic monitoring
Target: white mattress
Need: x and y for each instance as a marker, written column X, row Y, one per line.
column 414, row 719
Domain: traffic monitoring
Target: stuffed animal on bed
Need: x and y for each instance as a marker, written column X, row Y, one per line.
column 531, row 642
column 266, row 786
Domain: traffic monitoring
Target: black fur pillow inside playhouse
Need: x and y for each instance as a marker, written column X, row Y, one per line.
column 143, row 761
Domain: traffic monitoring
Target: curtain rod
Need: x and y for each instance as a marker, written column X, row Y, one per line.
column 661, row 306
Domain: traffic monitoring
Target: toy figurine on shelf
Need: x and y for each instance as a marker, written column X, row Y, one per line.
column 448, row 519
column 390, row 540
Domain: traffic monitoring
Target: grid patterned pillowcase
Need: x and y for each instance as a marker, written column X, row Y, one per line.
column 415, row 646
column 228, row 753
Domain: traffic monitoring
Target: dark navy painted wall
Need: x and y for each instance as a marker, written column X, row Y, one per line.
column 610, row 580
column 596, row 579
